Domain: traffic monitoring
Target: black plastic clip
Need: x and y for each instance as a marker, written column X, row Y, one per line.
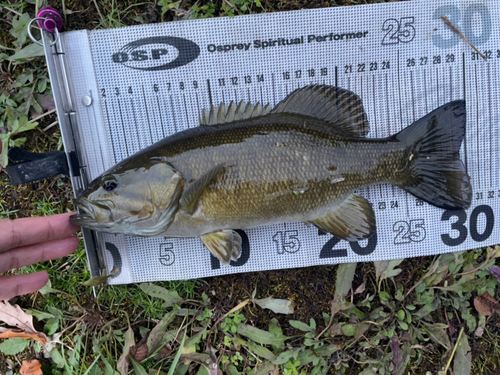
column 25, row 167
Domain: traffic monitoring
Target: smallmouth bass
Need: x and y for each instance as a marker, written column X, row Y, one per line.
column 248, row 165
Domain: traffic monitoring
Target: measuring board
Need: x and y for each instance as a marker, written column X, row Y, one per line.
column 121, row 90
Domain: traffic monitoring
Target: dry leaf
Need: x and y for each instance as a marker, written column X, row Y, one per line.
column 495, row 271
column 140, row 351
column 397, row 358
column 31, row 368
column 361, row 288
column 486, row 304
column 14, row 316
column 165, row 351
column 123, row 361
column 19, row 333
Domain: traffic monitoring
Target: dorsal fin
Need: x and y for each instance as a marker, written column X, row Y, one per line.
column 235, row 112
column 341, row 108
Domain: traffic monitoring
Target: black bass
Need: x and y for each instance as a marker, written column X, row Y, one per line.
column 247, row 165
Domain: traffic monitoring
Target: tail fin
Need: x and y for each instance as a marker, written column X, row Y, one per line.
column 435, row 172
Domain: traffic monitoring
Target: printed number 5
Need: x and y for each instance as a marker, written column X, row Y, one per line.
column 407, row 31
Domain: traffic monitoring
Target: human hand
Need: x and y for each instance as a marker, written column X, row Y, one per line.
column 27, row 241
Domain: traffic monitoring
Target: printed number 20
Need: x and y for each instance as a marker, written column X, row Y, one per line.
column 328, row 250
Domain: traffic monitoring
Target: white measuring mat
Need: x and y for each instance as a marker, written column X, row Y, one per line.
column 136, row 85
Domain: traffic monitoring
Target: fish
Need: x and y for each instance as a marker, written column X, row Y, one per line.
column 250, row 165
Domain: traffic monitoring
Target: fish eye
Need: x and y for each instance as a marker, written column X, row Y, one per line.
column 110, row 185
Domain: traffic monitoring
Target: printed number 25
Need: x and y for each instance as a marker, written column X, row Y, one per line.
column 398, row 31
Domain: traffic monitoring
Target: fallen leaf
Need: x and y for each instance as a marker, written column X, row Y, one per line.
column 426, row 348
column 280, row 306
column 260, row 336
column 495, row 271
column 397, row 358
column 46, row 101
column 201, row 358
column 157, row 335
column 438, row 334
column 124, row 360
column 385, row 269
column 462, row 365
column 14, row 316
column 486, row 304
column 170, row 297
column 31, row 368
column 11, row 333
column 479, row 331
column 99, row 280
column 261, row 351
column 345, row 275
column 361, row 288
column 164, row 352
column 140, row 351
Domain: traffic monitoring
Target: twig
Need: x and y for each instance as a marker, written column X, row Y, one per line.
column 76, row 321
column 455, row 30
column 12, row 10
column 475, row 269
column 236, row 308
column 42, row 115
column 327, row 327
column 454, row 350
column 228, row 3
column 413, row 287
column 376, row 347
column 51, row 126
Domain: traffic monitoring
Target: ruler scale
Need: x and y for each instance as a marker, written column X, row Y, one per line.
column 400, row 58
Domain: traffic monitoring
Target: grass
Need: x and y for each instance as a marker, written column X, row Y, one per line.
column 402, row 319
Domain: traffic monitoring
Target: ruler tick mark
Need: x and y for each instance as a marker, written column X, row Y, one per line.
column 123, row 127
column 464, row 96
column 162, row 125
column 209, row 93
column 147, row 113
column 173, row 113
column 185, row 108
column 110, row 132
column 478, row 152
column 135, row 122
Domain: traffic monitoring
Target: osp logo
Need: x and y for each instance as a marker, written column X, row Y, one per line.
column 157, row 53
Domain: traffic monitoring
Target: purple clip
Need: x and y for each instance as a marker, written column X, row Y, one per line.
column 52, row 19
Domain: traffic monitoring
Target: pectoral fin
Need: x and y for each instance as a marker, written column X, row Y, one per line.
column 224, row 245
column 354, row 220
column 193, row 191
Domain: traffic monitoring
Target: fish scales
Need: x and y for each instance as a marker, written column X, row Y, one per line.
column 248, row 165
column 276, row 170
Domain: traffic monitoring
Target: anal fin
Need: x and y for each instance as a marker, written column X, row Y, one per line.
column 224, row 245
column 353, row 221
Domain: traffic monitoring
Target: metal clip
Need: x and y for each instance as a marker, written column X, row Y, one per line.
column 49, row 20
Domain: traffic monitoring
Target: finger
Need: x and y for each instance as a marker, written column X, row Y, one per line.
column 27, row 255
column 22, row 232
column 11, row 286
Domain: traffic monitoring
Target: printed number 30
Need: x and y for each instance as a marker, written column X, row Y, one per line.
column 464, row 24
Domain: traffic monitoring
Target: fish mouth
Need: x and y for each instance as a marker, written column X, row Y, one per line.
column 85, row 216
column 88, row 212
